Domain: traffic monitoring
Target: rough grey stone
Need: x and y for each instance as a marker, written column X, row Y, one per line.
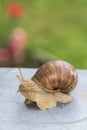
column 14, row 115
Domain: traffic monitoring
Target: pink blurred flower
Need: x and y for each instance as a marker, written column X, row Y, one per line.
column 15, row 10
column 18, row 40
column 17, row 43
column 4, row 56
column 14, row 52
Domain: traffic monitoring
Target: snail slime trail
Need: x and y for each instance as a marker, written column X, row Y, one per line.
column 50, row 85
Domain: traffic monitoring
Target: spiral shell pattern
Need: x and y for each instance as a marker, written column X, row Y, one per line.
column 56, row 76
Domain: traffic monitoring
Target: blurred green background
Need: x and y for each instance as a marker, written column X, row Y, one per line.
column 57, row 29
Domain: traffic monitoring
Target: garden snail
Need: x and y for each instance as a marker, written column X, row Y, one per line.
column 50, row 84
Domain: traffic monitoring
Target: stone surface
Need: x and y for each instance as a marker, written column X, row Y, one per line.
column 14, row 115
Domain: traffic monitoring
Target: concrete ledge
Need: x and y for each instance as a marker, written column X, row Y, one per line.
column 14, row 115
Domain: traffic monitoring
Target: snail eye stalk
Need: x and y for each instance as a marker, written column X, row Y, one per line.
column 20, row 76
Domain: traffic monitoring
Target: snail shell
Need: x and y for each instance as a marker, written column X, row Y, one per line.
column 56, row 76
column 49, row 85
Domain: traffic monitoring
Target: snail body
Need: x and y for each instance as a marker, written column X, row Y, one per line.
column 50, row 84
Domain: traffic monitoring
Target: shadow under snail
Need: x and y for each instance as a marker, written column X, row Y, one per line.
column 50, row 84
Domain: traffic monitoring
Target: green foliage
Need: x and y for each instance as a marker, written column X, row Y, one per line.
column 57, row 28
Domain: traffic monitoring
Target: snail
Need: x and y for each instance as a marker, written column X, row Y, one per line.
column 49, row 85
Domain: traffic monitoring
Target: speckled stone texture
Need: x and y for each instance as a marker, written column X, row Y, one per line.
column 14, row 115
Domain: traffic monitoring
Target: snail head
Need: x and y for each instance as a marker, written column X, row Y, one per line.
column 24, row 86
